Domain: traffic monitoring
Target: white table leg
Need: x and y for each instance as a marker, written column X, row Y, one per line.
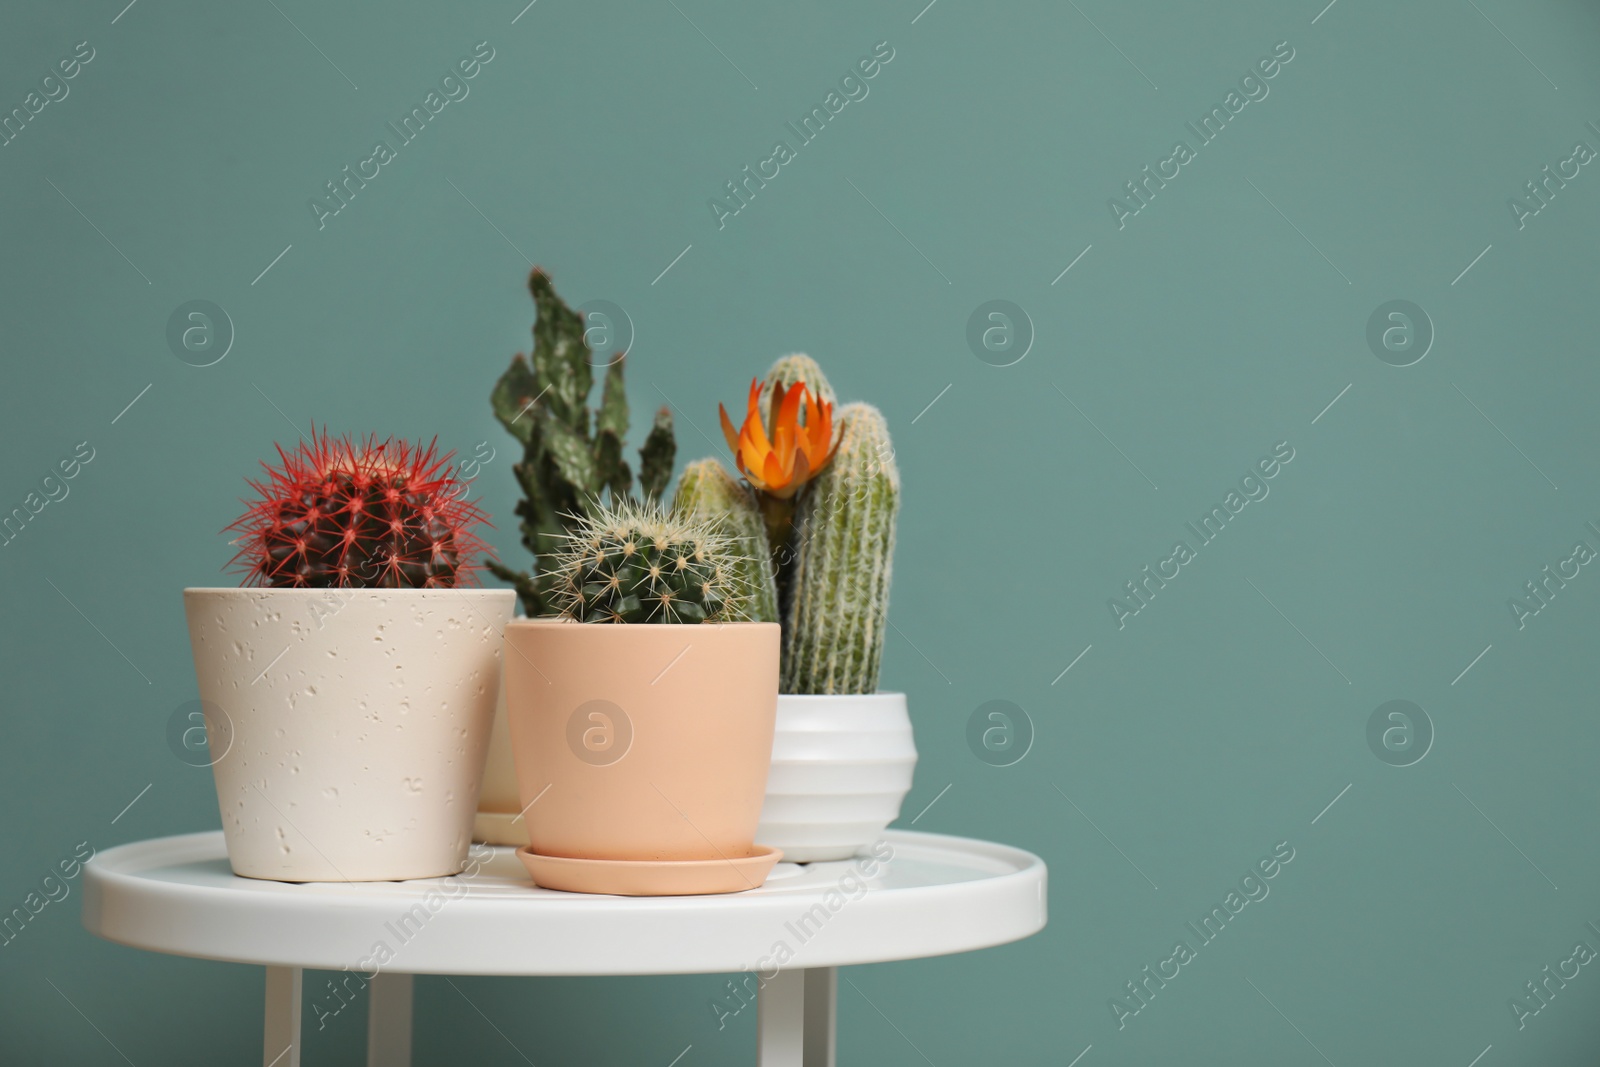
column 780, row 1020
column 389, row 1021
column 281, row 1047
column 822, row 994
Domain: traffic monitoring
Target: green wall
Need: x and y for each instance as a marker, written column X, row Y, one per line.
column 1188, row 341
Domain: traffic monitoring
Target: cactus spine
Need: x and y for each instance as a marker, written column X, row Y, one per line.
column 838, row 596
column 571, row 456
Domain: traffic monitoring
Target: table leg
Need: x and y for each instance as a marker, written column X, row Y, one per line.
column 780, row 1020
column 822, row 994
column 281, row 1046
column 389, row 1021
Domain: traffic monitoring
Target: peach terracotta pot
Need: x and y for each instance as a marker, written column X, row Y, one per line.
column 641, row 742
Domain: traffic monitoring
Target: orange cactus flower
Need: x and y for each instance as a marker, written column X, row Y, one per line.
column 794, row 454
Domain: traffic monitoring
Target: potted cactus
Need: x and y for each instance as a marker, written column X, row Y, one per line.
column 822, row 493
column 641, row 718
column 572, row 459
column 350, row 682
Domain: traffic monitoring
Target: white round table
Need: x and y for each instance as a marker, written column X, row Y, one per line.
column 931, row 895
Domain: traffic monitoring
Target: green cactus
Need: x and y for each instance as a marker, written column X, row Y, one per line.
column 831, row 558
column 837, row 602
column 706, row 489
column 787, row 370
column 634, row 563
column 571, row 457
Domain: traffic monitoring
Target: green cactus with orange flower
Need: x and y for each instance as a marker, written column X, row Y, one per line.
column 828, row 493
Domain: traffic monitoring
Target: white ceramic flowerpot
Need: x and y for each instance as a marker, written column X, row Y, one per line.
column 347, row 726
column 841, row 765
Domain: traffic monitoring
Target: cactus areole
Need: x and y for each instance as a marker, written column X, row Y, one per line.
column 374, row 514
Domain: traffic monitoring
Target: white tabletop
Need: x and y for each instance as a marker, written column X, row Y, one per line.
column 936, row 895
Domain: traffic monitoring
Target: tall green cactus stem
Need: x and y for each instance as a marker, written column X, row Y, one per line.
column 838, row 600
column 707, row 489
column 571, row 456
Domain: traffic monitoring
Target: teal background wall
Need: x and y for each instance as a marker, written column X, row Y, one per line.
column 1181, row 347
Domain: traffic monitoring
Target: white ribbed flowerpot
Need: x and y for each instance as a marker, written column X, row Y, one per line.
column 841, row 765
column 347, row 726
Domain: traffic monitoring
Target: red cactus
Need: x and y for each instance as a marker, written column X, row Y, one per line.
column 378, row 514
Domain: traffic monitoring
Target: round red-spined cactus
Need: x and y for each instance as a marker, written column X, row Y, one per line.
column 374, row 515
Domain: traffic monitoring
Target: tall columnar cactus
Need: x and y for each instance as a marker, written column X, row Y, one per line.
column 637, row 564
column 571, row 456
column 706, row 489
column 838, row 596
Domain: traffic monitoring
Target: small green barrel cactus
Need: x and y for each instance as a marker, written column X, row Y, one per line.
column 634, row 563
column 838, row 597
column 706, row 489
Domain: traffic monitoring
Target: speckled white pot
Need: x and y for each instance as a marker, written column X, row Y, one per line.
column 841, row 765
column 350, row 740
